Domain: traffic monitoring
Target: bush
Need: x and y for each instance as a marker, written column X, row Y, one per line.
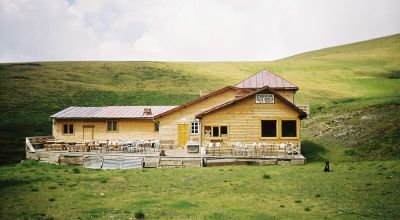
column 317, row 195
column 350, row 152
column 266, row 176
column 52, row 187
column 307, row 209
column 76, row 170
column 139, row 214
column 297, row 201
column 52, row 199
column 103, row 179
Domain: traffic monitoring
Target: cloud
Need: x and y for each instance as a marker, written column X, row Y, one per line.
column 185, row 30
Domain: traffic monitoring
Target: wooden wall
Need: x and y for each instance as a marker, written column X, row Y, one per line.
column 132, row 129
column 247, row 127
column 169, row 123
column 244, row 120
column 287, row 94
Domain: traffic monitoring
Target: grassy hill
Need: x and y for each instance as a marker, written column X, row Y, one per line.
column 353, row 91
column 355, row 121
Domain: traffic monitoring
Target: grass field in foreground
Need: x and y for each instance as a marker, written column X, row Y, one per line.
column 353, row 190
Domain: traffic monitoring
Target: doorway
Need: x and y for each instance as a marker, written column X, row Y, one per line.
column 88, row 133
column 183, row 134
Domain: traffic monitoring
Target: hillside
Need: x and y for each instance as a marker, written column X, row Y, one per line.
column 353, row 90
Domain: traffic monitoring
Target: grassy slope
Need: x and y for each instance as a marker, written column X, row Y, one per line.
column 337, row 82
column 354, row 93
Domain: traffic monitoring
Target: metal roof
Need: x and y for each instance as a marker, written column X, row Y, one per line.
column 110, row 112
column 266, row 78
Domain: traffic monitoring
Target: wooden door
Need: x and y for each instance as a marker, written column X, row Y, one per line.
column 88, row 133
column 183, row 134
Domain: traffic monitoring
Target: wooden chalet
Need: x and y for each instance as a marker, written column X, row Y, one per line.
column 261, row 108
column 251, row 118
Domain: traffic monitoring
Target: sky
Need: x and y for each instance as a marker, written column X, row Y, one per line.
column 186, row 30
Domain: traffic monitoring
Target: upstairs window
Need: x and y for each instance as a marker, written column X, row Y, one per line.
column 68, row 128
column 268, row 128
column 112, row 126
column 289, row 128
column 194, row 127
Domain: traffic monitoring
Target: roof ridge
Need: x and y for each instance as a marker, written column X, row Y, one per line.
column 271, row 80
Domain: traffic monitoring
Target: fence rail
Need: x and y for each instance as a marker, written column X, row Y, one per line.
column 109, row 163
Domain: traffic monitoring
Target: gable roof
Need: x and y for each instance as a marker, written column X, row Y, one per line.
column 195, row 100
column 128, row 112
column 301, row 113
column 266, row 78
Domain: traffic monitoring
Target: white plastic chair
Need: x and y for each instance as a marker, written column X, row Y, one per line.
column 254, row 146
column 218, row 147
column 211, row 147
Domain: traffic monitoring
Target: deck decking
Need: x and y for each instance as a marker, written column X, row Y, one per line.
column 173, row 158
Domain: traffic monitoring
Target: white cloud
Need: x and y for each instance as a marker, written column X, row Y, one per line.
column 187, row 30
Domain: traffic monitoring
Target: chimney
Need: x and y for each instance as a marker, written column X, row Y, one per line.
column 147, row 112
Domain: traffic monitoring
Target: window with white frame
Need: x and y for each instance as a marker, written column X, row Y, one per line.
column 194, row 127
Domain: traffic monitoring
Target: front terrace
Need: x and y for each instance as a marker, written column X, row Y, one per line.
column 158, row 153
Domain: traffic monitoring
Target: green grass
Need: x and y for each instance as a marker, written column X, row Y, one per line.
column 354, row 95
column 350, row 191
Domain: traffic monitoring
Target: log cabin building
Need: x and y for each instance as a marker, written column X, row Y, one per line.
column 261, row 108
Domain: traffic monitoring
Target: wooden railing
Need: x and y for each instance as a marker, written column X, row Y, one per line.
column 167, row 144
column 29, row 146
column 31, row 142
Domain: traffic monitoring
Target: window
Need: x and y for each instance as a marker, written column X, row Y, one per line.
column 68, row 128
column 216, row 131
column 268, row 128
column 224, row 131
column 156, row 126
column 112, row 126
column 194, row 127
column 207, row 131
column 289, row 128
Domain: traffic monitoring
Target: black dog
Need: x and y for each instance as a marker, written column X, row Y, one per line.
column 326, row 166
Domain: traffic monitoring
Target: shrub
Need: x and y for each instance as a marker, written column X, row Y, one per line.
column 139, row 214
column 103, row 179
column 297, row 201
column 52, row 199
column 349, row 152
column 34, row 190
column 317, row 195
column 307, row 209
column 282, row 206
column 266, row 176
column 52, row 187
column 76, row 170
